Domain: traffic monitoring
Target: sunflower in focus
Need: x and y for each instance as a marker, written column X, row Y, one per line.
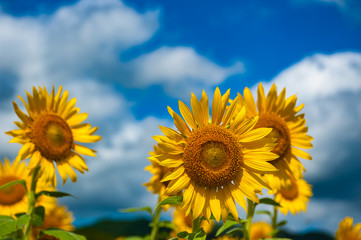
column 213, row 161
column 56, row 217
column 49, row 132
column 155, row 185
column 346, row 230
column 288, row 129
column 294, row 196
column 260, row 230
column 184, row 223
column 13, row 199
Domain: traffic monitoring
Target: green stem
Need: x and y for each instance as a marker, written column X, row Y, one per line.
column 153, row 235
column 250, row 212
column 196, row 224
column 31, row 205
column 274, row 221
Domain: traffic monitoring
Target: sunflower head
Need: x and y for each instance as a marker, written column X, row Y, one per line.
column 55, row 217
column 294, row 196
column 49, row 133
column 260, row 230
column 346, row 230
column 289, row 132
column 214, row 159
column 14, row 199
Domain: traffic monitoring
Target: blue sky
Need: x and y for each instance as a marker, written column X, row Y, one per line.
column 125, row 61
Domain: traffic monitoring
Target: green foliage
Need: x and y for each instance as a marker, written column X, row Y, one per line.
column 11, row 228
column 269, row 201
column 38, row 216
column 173, row 200
column 225, row 226
column 63, row 235
column 54, row 194
column 130, row 210
column 264, row 212
column 22, row 182
column 281, row 223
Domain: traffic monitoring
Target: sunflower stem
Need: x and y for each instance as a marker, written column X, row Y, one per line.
column 155, row 228
column 196, row 224
column 250, row 212
column 274, row 221
column 31, row 206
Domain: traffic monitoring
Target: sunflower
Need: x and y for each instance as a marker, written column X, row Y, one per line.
column 346, row 230
column 56, row 217
column 13, row 199
column 288, row 129
column 49, row 132
column 155, row 185
column 213, row 161
column 294, row 196
column 184, row 223
column 260, row 230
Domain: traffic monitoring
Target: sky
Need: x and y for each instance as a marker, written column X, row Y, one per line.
column 126, row 61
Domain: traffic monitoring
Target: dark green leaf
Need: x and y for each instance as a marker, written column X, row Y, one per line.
column 225, row 226
column 173, row 200
column 183, row 234
column 19, row 214
column 63, row 235
column 54, row 194
column 39, row 214
column 200, row 235
column 282, row 223
column 22, row 182
column 269, row 201
column 130, row 210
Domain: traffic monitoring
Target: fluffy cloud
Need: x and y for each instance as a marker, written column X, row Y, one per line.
column 330, row 87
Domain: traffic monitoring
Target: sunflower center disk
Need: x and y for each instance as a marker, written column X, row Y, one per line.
column 212, row 156
column 12, row 194
column 290, row 192
column 280, row 131
column 52, row 136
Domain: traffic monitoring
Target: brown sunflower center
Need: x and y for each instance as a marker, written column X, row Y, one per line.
column 12, row 194
column 290, row 192
column 280, row 131
column 212, row 156
column 52, row 136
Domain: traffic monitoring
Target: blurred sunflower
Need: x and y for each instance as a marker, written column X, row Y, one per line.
column 288, row 128
column 14, row 199
column 216, row 162
column 184, row 223
column 294, row 196
column 260, row 230
column 155, row 185
column 49, row 132
column 55, row 217
column 225, row 237
column 346, row 230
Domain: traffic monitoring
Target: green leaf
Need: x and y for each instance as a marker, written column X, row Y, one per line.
column 7, row 225
column 22, row 221
column 183, row 234
column 269, row 201
column 225, row 226
column 281, row 223
column 38, row 217
column 175, row 238
column 130, row 210
column 199, row 235
column 63, row 235
column 264, row 212
column 173, row 200
column 17, row 215
column 54, row 194
column 22, row 182
column 234, row 231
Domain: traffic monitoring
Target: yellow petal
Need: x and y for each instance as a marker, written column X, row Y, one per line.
column 259, row 166
column 199, row 201
column 205, row 107
column 249, row 102
column 217, row 105
column 173, row 175
column 302, row 154
column 177, row 185
column 215, row 204
column 255, row 134
column 84, row 150
column 230, row 111
column 187, row 114
column 261, row 99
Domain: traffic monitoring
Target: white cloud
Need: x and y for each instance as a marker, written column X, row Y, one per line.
column 181, row 68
